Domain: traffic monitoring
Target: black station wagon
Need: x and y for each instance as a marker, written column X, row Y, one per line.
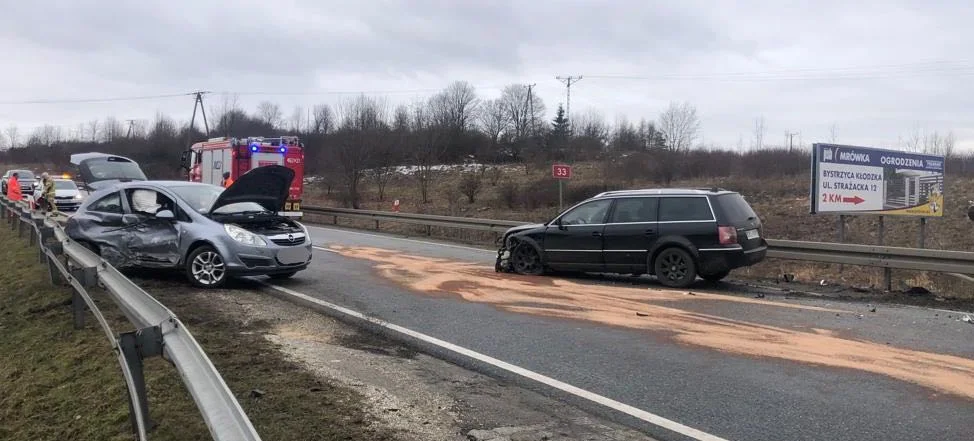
column 674, row 234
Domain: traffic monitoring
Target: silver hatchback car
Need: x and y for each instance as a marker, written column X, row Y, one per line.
column 209, row 232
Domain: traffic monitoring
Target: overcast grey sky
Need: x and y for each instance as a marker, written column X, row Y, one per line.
column 875, row 69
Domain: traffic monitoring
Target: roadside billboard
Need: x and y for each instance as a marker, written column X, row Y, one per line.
column 866, row 180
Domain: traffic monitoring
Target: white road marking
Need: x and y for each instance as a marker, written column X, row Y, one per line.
column 534, row 376
column 382, row 236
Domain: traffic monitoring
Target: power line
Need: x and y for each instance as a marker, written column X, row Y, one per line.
column 95, row 100
column 942, row 67
column 254, row 93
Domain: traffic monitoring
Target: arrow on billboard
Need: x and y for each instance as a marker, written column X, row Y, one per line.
column 854, row 200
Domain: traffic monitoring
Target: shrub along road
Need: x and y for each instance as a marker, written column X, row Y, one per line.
column 733, row 366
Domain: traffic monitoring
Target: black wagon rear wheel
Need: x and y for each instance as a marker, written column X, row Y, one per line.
column 675, row 268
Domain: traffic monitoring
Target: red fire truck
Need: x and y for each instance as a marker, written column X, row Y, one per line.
column 208, row 160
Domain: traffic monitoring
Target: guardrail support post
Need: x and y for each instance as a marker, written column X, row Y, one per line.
column 334, row 220
column 376, row 225
column 52, row 270
column 136, row 346
column 77, row 309
column 429, row 230
column 87, row 276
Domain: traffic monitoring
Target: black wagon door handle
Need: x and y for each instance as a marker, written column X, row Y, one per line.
column 597, row 233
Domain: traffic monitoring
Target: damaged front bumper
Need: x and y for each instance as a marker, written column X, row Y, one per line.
column 503, row 263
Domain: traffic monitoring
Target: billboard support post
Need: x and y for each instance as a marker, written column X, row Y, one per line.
column 841, row 230
column 923, row 231
column 887, row 272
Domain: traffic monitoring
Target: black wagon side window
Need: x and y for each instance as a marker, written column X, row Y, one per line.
column 587, row 214
column 108, row 204
column 633, row 210
column 684, row 209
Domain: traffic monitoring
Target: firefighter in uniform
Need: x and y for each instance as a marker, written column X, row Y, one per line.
column 48, row 193
column 226, row 180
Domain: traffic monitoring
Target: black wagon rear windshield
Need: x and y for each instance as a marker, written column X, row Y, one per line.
column 734, row 208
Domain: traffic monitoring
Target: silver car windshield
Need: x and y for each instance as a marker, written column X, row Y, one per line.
column 65, row 185
column 202, row 197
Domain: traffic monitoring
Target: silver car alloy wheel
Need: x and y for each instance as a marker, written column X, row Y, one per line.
column 208, row 268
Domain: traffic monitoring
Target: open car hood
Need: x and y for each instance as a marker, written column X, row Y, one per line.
column 99, row 170
column 267, row 186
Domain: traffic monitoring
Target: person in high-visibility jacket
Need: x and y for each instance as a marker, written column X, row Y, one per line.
column 13, row 188
column 226, row 180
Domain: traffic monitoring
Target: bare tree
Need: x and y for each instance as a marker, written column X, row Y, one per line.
column 680, row 126
column 457, row 105
column 93, row 130
column 937, row 144
column 362, row 129
column 111, row 130
column 13, row 135
column 914, row 142
column 47, row 135
column 833, row 133
column 269, row 113
column 759, row 130
column 3, row 142
column 525, row 114
column 227, row 113
column 324, row 119
column 429, row 146
column 163, row 130
column 298, row 117
column 947, row 147
column 389, row 151
column 494, row 121
column 140, row 129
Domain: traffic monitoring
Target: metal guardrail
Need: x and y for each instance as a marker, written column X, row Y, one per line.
column 158, row 331
column 918, row 259
column 429, row 220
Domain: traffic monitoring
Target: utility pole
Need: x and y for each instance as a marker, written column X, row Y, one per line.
column 791, row 140
column 569, row 80
column 199, row 102
column 531, row 105
column 131, row 125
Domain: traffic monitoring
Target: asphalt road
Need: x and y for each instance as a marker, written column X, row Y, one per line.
column 730, row 365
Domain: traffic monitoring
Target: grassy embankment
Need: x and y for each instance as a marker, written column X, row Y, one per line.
column 58, row 383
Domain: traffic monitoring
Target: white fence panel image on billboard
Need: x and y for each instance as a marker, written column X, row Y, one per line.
column 866, row 180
